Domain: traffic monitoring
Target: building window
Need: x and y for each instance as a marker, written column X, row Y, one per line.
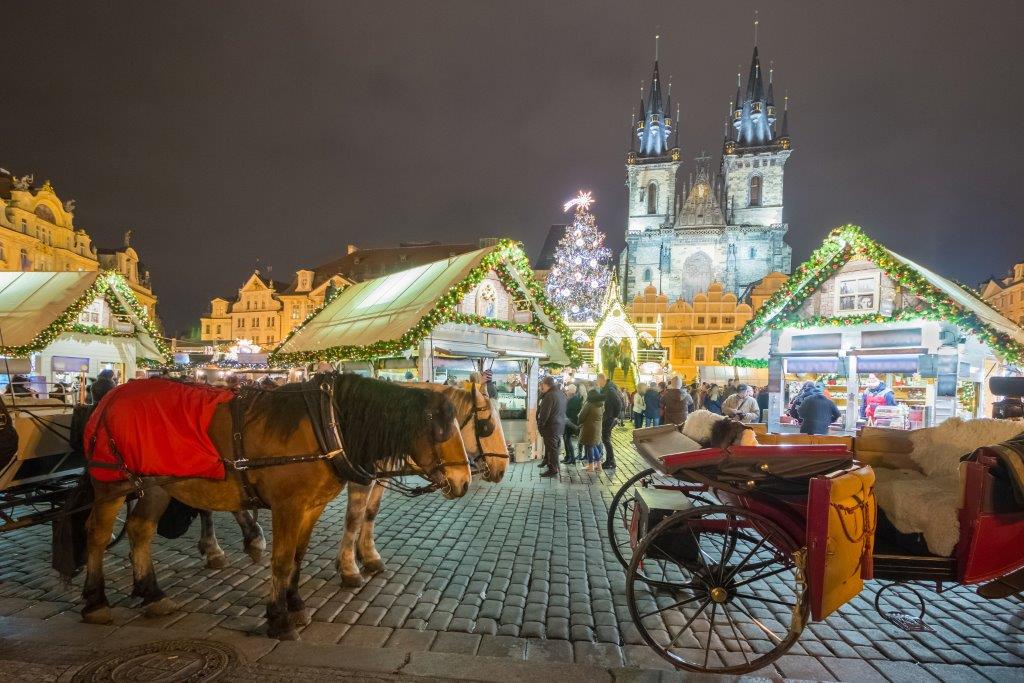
column 270, row 322
column 753, row 252
column 647, row 274
column 698, row 354
column 727, row 320
column 652, row 199
column 755, row 191
column 241, row 323
column 270, row 339
column 26, row 262
column 714, row 320
column 91, row 314
column 700, row 320
column 857, row 294
column 714, row 352
column 295, row 311
column 3, row 253
column 248, row 305
column 255, row 322
column 208, row 330
column 24, row 226
column 218, row 330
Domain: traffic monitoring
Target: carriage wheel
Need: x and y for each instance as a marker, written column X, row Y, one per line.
column 620, row 512
column 121, row 522
column 728, row 598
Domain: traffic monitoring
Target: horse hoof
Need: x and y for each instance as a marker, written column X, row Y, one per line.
column 217, row 561
column 300, row 617
column 283, row 634
column 373, row 566
column 255, row 550
column 98, row 615
column 352, row 580
column 161, row 608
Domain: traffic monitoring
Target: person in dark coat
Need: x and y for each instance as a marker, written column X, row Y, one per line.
column 652, row 407
column 591, row 422
column 612, row 408
column 572, row 421
column 104, row 383
column 817, row 412
column 762, row 399
column 794, row 405
column 551, row 424
column 676, row 403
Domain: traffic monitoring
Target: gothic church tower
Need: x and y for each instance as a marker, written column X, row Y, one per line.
column 754, row 158
column 651, row 169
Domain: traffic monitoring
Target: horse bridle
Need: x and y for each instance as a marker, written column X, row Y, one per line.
column 482, row 428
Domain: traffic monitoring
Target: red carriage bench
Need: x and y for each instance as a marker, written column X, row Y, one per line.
column 730, row 551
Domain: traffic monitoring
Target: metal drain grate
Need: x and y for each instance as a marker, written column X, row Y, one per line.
column 190, row 661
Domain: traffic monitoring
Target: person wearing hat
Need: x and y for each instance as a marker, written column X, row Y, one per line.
column 876, row 394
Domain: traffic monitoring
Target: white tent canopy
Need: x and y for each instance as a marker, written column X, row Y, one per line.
column 386, row 308
column 31, row 302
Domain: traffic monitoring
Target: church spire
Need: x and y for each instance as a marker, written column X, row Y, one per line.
column 655, row 125
column 753, row 117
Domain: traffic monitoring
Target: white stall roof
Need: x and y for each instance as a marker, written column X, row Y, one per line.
column 386, row 308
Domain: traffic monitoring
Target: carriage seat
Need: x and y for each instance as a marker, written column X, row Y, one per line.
column 919, row 484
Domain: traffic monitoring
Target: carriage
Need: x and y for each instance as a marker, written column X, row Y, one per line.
column 39, row 474
column 730, row 552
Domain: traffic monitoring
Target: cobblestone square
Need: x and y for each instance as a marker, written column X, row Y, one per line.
column 521, row 571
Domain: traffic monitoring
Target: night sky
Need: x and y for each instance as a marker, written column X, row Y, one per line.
column 234, row 134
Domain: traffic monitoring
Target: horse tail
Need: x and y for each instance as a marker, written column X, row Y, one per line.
column 69, row 535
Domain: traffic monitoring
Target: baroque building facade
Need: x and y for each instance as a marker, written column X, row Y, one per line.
column 38, row 233
column 1006, row 294
column 720, row 227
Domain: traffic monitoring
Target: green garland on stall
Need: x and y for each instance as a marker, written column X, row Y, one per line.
column 445, row 311
column 783, row 308
column 106, row 285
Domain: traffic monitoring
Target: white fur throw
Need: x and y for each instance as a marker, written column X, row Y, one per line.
column 937, row 450
column 699, row 423
column 916, row 503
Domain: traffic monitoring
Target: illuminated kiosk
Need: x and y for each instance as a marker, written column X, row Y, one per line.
column 438, row 322
column 647, row 361
column 61, row 327
column 855, row 309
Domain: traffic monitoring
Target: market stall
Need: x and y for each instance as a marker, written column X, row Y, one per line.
column 892, row 343
column 438, row 322
column 66, row 327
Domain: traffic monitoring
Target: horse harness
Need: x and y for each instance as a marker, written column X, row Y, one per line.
column 482, row 427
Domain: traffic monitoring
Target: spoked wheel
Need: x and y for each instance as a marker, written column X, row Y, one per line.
column 713, row 589
column 121, row 522
column 620, row 512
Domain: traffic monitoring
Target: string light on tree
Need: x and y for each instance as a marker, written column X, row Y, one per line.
column 580, row 275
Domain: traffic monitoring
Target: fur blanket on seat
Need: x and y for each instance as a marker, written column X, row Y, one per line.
column 928, row 502
column 714, row 430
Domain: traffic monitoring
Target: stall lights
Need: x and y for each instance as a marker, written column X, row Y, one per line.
column 507, row 253
column 782, row 310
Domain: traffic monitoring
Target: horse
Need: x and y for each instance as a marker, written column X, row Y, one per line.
column 481, row 425
column 381, row 425
column 481, row 431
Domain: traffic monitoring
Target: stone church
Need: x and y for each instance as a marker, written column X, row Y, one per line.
column 725, row 226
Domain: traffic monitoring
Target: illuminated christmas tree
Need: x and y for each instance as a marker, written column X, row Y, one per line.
column 580, row 275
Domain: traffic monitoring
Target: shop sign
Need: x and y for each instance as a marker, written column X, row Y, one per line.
column 817, row 342
column 70, row 364
column 888, row 339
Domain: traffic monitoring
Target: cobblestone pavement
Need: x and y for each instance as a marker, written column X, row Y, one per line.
column 519, row 571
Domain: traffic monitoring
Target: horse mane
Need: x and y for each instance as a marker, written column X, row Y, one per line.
column 379, row 421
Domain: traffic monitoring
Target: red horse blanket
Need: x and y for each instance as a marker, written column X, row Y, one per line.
column 159, row 428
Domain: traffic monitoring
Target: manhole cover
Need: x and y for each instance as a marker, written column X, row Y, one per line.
column 171, row 660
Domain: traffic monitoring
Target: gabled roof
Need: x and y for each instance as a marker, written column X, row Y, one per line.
column 37, row 307
column 941, row 298
column 388, row 315
column 365, row 264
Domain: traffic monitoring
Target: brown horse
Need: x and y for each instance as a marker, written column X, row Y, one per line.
column 485, row 443
column 382, row 425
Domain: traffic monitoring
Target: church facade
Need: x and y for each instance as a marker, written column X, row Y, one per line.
column 723, row 226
